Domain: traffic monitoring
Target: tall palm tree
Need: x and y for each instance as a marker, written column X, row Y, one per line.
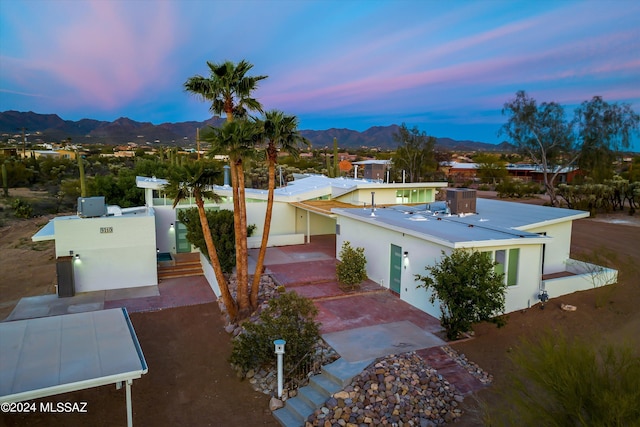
column 237, row 139
column 195, row 180
column 280, row 131
column 230, row 90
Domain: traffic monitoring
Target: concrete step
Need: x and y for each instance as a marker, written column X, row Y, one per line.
column 342, row 372
column 324, row 385
column 299, row 408
column 314, row 397
column 334, row 377
column 287, row 418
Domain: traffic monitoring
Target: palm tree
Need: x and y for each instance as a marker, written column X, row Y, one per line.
column 195, row 180
column 228, row 88
column 281, row 133
column 237, row 140
column 230, row 91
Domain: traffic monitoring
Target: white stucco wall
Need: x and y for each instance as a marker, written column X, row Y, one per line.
column 377, row 243
column 123, row 258
column 558, row 249
column 283, row 223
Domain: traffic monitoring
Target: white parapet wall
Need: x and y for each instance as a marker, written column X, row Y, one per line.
column 583, row 276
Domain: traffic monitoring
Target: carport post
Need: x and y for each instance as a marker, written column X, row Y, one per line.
column 129, row 409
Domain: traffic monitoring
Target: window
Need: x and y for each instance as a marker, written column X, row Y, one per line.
column 507, row 264
column 512, row 271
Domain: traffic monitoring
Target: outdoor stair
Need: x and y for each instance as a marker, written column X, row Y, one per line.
column 182, row 265
column 334, row 377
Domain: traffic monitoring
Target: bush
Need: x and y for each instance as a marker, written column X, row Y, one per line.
column 22, row 209
column 221, row 225
column 289, row 317
column 468, row 288
column 351, row 270
column 558, row 382
column 517, row 189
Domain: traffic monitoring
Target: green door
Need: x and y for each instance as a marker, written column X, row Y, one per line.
column 396, row 268
column 182, row 244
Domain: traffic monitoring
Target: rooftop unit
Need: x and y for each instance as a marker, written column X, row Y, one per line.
column 91, row 207
column 461, row 200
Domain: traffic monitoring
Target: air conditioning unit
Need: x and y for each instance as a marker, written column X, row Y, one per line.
column 461, row 200
column 91, row 207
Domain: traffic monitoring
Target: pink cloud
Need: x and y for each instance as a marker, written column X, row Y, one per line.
column 110, row 55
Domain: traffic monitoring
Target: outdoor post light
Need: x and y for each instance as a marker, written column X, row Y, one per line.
column 280, row 352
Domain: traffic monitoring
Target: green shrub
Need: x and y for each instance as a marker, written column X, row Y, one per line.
column 351, row 270
column 22, row 209
column 288, row 316
column 561, row 382
column 468, row 288
column 517, row 189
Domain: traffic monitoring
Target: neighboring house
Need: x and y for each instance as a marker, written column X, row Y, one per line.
column 531, row 244
column 105, row 247
column 525, row 172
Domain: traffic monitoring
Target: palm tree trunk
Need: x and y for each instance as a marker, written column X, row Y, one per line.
column 227, row 298
column 255, row 286
column 244, row 306
column 242, row 296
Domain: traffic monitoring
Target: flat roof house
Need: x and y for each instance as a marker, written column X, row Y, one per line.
column 530, row 243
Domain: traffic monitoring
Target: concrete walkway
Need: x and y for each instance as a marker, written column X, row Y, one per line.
column 169, row 293
column 366, row 324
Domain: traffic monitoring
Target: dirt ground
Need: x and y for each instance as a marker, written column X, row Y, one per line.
column 190, row 382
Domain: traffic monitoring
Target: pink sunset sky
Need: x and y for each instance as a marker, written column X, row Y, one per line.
column 446, row 67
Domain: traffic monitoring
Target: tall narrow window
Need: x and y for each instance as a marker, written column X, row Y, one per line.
column 512, row 272
column 501, row 258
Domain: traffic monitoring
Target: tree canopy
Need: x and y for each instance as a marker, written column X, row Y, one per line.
column 415, row 154
column 543, row 133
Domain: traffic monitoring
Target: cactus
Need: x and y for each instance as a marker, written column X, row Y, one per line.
column 83, row 179
column 5, row 180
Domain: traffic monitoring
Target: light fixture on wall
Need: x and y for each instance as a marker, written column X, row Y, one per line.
column 157, row 250
column 406, row 254
column 171, row 226
column 77, row 257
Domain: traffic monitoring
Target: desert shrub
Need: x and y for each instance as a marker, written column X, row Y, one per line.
column 517, row 189
column 290, row 317
column 351, row 270
column 484, row 187
column 468, row 288
column 22, row 209
column 562, row 382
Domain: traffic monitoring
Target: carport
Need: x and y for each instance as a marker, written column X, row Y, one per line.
column 59, row 354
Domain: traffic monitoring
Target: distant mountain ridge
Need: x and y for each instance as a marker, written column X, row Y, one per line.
column 123, row 130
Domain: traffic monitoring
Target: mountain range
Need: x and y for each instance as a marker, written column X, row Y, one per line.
column 51, row 128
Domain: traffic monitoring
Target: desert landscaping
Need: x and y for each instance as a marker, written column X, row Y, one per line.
column 190, row 382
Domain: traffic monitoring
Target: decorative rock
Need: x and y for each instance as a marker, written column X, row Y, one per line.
column 275, row 403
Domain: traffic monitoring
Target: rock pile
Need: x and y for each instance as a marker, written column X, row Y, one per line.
column 399, row 390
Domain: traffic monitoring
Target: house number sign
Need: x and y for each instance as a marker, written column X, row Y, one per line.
column 106, row 230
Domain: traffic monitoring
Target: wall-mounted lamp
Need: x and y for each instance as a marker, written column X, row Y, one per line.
column 406, row 254
column 157, row 250
column 77, row 257
column 171, row 226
